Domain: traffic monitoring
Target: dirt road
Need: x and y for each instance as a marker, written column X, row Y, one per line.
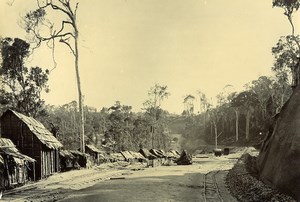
column 202, row 181
column 165, row 183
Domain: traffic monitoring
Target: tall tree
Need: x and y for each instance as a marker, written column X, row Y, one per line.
column 119, row 131
column 287, row 58
column 287, row 49
column 215, row 116
column 153, row 107
column 289, row 6
column 246, row 100
column 22, row 86
column 262, row 87
column 66, row 33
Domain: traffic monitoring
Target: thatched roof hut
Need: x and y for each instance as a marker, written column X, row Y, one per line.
column 146, row 153
column 7, row 147
column 97, row 155
column 138, row 156
column 82, row 159
column 116, row 157
column 156, row 153
column 13, row 164
column 66, row 159
column 127, row 155
column 34, row 140
column 66, row 154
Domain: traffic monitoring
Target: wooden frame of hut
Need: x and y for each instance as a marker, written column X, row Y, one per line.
column 114, row 157
column 138, row 156
column 127, row 156
column 13, row 165
column 33, row 139
column 146, row 153
column 94, row 153
column 66, row 159
column 81, row 159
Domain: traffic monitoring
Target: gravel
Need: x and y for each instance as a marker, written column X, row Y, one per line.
column 242, row 181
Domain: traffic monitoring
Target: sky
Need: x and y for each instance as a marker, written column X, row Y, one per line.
column 128, row 46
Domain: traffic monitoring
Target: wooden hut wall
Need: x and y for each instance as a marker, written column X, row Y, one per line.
column 16, row 130
column 57, row 166
column 49, row 164
column 13, row 172
column 21, row 136
column 2, row 172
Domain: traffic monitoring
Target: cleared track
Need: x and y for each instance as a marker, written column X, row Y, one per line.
column 34, row 191
column 211, row 192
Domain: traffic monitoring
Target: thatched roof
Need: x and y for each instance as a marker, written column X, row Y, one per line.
column 156, row 153
column 8, row 147
column 172, row 154
column 175, row 152
column 39, row 130
column 66, row 153
column 78, row 153
column 146, row 153
column 117, row 156
column 127, row 155
column 137, row 155
column 93, row 148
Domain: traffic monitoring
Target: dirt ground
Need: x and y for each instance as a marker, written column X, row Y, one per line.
column 125, row 182
column 174, row 183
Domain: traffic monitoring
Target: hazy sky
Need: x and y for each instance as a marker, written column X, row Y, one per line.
column 126, row 46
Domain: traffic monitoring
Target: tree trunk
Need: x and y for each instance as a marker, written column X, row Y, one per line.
column 211, row 130
column 248, row 115
column 216, row 134
column 204, row 120
column 80, row 99
column 236, row 125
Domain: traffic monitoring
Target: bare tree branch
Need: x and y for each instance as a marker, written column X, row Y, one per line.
column 65, row 42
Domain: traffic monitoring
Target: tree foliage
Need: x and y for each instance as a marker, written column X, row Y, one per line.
column 239, row 118
column 22, row 85
column 287, row 56
column 113, row 129
column 156, row 114
column 286, row 51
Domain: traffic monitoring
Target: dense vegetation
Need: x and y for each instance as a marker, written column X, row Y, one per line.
column 115, row 128
column 241, row 118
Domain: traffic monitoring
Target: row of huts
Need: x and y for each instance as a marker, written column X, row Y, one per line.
column 41, row 152
column 28, row 151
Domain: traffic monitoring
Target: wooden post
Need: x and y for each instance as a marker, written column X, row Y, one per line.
column 34, row 176
column 7, row 172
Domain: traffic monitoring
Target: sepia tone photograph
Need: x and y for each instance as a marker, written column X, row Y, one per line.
column 150, row 100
